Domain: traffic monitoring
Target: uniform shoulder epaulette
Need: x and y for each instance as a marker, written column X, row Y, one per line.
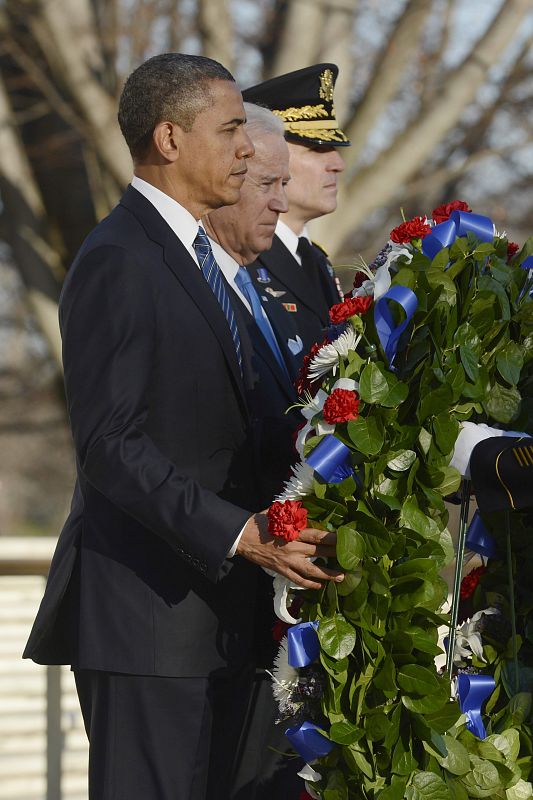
column 322, row 249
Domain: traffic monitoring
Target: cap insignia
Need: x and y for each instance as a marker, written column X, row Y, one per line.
column 326, row 86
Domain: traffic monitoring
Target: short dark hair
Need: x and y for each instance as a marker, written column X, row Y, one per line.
column 170, row 86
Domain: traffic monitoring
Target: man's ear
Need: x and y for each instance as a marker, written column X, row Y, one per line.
column 167, row 140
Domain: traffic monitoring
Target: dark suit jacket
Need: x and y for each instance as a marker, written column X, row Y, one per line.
column 166, row 466
column 294, row 306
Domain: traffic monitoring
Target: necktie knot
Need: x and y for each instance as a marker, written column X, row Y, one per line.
column 243, row 279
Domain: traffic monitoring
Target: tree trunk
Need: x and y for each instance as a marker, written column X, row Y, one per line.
column 215, row 29
column 25, row 210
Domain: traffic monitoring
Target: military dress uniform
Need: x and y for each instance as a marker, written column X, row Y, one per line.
column 297, row 301
column 298, row 288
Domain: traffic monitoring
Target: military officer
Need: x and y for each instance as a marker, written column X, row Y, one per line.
column 295, row 278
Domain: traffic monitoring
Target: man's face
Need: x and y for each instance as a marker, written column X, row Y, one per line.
column 213, row 153
column 247, row 228
column 312, row 191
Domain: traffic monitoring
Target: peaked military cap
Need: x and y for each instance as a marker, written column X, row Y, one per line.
column 304, row 101
column 502, row 473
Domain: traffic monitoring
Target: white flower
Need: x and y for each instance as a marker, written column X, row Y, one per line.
column 468, row 640
column 299, row 484
column 284, row 677
column 378, row 284
column 327, row 358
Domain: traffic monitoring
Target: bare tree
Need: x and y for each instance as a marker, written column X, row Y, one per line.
column 63, row 63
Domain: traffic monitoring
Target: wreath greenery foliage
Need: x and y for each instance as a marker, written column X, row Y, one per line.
column 466, row 354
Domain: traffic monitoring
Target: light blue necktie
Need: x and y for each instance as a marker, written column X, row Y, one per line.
column 213, row 276
column 244, row 282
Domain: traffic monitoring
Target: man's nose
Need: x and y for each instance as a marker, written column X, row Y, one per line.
column 335, row 161
column 278, row 201
column 245, row 147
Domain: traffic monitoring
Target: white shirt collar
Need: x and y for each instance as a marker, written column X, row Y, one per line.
column 182, row 222
column 290, row 239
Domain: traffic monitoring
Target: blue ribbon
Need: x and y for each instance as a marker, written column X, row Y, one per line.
column 303, row 644
column 460, row 222
column 527, row 263
column 388, row 332
column 308, row 740
column 331, row 460
column 478, row 539
column 472, row 691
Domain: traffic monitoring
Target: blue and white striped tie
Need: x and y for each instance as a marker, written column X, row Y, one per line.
column 213, row 276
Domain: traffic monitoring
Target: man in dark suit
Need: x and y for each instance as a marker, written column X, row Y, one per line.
column 295, row 277
column 153, row 591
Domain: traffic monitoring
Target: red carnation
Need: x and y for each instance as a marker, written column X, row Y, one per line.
column 305, row 795
column 359, row 278
column 341, row 405
column 442, row 213
column 302, row 382
column 287, row 519
column 512, row 250
column 351, row 306
column 279, row 629
column 415, row 228
column 470, row 581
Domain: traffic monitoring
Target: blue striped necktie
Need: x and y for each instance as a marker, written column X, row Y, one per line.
column 244, row 282
column 213, row 276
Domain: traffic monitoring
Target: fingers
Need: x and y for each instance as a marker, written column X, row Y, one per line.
column 314, row 536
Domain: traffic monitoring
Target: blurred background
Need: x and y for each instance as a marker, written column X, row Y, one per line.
column 436, row 96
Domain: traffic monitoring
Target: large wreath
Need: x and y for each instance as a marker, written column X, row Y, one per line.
column 438, row 332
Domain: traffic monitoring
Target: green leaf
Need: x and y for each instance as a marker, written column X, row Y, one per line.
column 345, row 733
column 427, row 704
column 373, row 386
column 427, row 786
column 502, row 404
column 403, row 761
column 385, row 679
column 457, row 761
column 337, row 636
column 395, row 790
column 336, row 788
column 482, row 780
column 442, row 720
column 376, row 726
column 351, row 581
column 469, row 360
column 510, row 361
column 507, row 742
column 467, row 336
column 416, row 680
column 402, row 460
column 522, row 790
column 377, row 538
column 350, row 547
column 435, row 402
column 445, row 430
column 367, row 435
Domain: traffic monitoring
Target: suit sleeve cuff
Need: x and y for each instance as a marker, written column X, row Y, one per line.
column 233, row 548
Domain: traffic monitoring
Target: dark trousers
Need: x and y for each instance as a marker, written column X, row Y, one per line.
column 154, row 738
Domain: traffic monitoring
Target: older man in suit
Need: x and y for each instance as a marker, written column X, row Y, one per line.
column 295, row 277
column 153, row 591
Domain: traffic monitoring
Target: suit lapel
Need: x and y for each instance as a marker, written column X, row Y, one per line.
column 279, row 261
column 187, row 272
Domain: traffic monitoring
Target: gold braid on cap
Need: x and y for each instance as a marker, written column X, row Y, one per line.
column 294, row 113
column 325, row 134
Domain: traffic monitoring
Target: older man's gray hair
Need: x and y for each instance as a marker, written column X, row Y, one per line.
column 260, row 120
